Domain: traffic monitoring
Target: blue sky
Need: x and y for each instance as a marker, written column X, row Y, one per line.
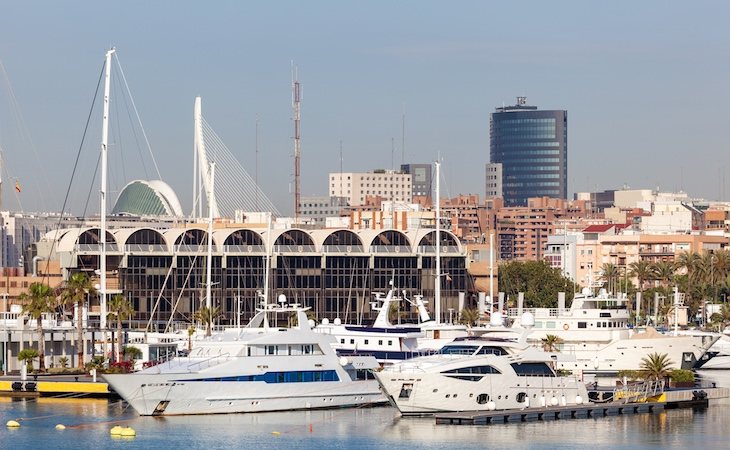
column 644, row 83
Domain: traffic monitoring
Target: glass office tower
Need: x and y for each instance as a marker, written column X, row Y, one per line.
column 532, row 146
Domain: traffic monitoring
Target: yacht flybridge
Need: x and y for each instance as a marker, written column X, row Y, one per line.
column 390, row 342
column 275, row 363
column 595, row 329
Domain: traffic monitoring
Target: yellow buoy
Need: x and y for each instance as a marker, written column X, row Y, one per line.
column 129, row 432
column 116, row 431
column 60, row 426
column 12, row 424
column 275, row 433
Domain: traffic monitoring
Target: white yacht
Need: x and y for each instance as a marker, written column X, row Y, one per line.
column 595, row 329
column 265, row 366
column 389, row 342
column 479, row 374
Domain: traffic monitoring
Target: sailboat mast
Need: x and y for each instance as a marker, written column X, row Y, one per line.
column 209, row 267
column 437, row 282
column 102, row 211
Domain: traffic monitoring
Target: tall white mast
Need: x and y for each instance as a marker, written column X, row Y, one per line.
column 209, row 267
column 437, row 282
column 104, row 145
column 296, row 106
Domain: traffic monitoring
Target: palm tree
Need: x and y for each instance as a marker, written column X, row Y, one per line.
column 722, row 317
column 664, row 272
column 641, row 270
column 77, row 287
column 191, row 332
column 550, row 343
column 469, row 316
column 609, row 273
column 39, row 300
column 656, row 366
column 207, row 317
column 122, row 309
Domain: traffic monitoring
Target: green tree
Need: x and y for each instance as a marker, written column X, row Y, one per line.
column 74, row 292
column 540, row 283
column 38, row 301
column 609, row 274
column 551, row 342
column 664, row 272
column 28, row 355
column 191, row 332
column 469, row 316
column 206, row 317
column 722, row 317
column 120, row 308
column 656, row 366
column 642, row 271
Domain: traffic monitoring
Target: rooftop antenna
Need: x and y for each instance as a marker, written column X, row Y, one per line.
column 257, row 163
column 341, row 191
column 403, row 136
column 296, row 105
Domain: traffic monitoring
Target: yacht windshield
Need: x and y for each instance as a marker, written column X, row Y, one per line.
column 458, row 350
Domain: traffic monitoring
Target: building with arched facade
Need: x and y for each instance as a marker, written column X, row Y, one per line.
column 333, row 271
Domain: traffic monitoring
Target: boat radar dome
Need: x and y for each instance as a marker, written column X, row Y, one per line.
column 282, row 298
column 586, row 291
column 496, row 320
column 325, row 321
column 338, row 321
column 527, row 320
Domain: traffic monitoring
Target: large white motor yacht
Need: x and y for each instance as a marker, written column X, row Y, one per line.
column 596, row 330
column 479, row 374
column 266, row 366
column 389, row 342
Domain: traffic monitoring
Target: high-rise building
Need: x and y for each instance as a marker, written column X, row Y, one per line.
column 532, row 146
column 420, row 179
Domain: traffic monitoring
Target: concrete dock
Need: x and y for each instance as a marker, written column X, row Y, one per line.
column 672, row 399
column 53, row 386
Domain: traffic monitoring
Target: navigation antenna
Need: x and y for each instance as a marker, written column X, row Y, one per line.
column 296, row 104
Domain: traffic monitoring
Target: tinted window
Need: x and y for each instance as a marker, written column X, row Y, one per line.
column 532, row 370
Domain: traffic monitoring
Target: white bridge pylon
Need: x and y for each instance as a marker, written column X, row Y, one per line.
column 234, row 188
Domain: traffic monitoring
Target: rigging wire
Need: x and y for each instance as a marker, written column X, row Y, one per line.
column 73, row 172
column 139, row 120
column 25, row 136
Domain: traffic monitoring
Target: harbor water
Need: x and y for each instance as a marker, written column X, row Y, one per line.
column 88, row 423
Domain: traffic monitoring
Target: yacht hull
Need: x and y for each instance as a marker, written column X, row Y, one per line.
column 429, row 393
column 167, row 394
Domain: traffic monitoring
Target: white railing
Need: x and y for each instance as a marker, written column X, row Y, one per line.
column 431, row 249
column 295, row 249
column 244, row 249
column 540, row 312
column 146, row 248
column 342, row 249
column 95, row 248
column 391, row 249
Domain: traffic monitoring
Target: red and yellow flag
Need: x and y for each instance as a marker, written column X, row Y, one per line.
column 17, row 186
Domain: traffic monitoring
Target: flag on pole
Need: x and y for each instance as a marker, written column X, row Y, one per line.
column 17, row 186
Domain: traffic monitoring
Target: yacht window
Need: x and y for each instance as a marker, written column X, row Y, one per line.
column 487, row 350
column 366, row 341
column 599, row 325
column 405, row 390
column 307, row 349
column 390, row 342
column 458, row 349
column 380, row 342
column 538, row 324
column 352, row 341
column 521, row 397
column 550, row 324
column 342, row 341
column 473, row 373
column 482, row 398
column 271, row 349
column 582, row 325
column 532, row 370
column 249, row 351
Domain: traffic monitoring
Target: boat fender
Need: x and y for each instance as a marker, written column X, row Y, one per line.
column 565, row 327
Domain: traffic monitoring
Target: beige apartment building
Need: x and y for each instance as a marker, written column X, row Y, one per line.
column 389, row 185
